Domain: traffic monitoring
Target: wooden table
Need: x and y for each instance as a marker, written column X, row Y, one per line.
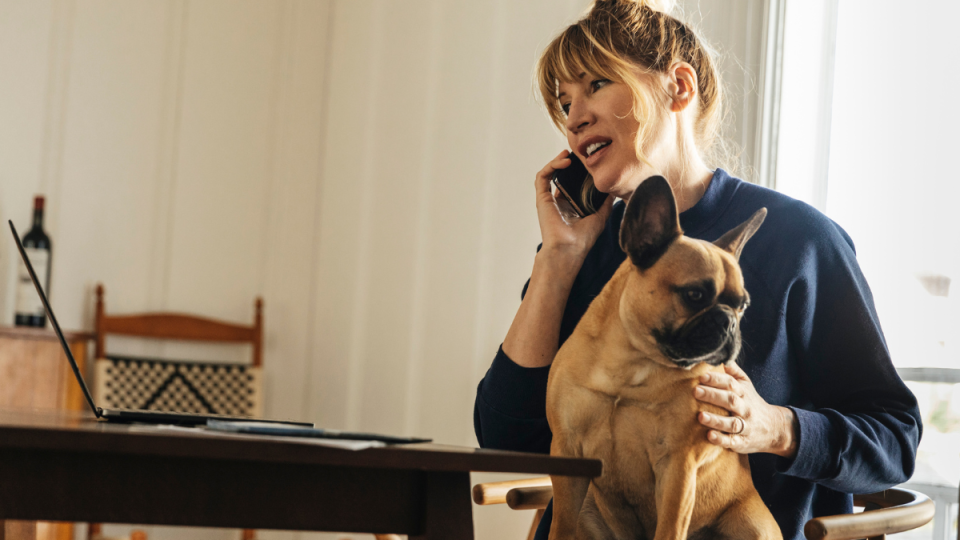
column 67, row 466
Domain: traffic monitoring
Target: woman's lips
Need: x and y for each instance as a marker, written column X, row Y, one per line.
column 597, row 156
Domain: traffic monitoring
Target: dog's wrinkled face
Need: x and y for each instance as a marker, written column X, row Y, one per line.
column 682, row 304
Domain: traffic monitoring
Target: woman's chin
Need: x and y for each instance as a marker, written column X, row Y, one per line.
column 621, row 188
column 613, row 189
column 604, row 186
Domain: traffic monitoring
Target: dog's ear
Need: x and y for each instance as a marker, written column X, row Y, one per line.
column 734, row 239
column 650, row 222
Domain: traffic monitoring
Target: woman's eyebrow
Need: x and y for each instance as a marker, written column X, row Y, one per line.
column 561, row 94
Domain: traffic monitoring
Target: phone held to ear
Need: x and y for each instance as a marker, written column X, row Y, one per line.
column 576, row 186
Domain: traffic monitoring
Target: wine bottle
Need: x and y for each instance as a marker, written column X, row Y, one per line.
column 36, row 243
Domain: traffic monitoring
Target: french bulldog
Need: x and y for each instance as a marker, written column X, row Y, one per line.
column 621, row 389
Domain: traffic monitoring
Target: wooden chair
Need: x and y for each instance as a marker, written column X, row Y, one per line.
column 888, row 512
column 135, row 534
column 139, row 383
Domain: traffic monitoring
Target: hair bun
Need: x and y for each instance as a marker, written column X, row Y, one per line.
column 663, row 6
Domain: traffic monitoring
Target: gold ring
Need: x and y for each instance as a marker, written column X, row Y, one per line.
column 742, row 425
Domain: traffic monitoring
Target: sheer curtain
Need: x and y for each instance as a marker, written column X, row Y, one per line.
column 892, row 180
column 892, row 184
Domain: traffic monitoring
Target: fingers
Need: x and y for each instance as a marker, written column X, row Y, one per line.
column 725, row 399
column 722, row 381
column 725, row 440
column 725, row 431
column 562, row 161
column 728, row 424
column 546, row 173
column 750, row 427
column 732, row 369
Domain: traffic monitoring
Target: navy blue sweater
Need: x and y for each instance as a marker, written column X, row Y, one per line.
column 811, row 342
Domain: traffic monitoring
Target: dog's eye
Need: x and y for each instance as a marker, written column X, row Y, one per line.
column 696, row 296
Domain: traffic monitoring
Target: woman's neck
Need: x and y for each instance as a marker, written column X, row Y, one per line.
column 675, row 157
column 689, row 180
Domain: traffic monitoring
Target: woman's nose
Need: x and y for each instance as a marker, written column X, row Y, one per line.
column 579, row 117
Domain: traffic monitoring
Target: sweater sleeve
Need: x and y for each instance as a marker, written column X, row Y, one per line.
column 860, row 425
column 510, row 408
column 510, row 411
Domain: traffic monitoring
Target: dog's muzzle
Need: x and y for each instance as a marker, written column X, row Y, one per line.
column 712, row 337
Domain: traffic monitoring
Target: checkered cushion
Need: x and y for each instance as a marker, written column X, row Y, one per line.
column 161, row 385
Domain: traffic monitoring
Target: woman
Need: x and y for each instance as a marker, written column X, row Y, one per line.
column 817, row 404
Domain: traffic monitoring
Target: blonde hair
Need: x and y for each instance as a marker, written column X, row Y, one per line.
column 615, row 38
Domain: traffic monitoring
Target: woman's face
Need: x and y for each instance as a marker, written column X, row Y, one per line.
column 602, row 131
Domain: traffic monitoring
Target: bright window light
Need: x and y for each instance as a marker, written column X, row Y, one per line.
column 893, row 186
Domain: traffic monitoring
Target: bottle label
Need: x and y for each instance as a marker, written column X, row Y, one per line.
column 28, row 301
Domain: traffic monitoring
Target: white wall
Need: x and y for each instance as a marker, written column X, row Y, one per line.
column 365, row 166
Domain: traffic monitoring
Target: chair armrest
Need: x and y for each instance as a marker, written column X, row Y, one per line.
column 496, row 492
column 529, row 498
column 899, row 510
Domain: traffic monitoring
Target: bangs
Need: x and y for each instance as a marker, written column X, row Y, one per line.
column 630, row 42
column 573, row 52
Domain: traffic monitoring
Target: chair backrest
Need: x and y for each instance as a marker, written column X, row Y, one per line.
column 180, row 327
column 889, row 512
column 183, row 386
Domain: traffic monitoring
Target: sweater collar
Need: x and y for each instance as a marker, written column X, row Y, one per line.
column 694, row 221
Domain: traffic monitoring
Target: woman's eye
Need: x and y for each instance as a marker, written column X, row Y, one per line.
column 598, row 84
column 566, row 109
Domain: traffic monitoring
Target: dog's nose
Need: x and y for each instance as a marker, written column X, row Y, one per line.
column 719, row 322
column 708, row 333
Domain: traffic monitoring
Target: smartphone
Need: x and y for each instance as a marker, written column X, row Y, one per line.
column 576, row 186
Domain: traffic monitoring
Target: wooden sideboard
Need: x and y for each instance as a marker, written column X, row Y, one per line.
column 36, row 375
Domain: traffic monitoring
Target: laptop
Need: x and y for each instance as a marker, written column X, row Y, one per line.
column 131, row 415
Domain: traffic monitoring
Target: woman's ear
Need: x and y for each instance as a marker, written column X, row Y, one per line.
column 682, row 86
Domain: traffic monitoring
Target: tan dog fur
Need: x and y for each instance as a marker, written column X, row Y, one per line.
column 614, row 395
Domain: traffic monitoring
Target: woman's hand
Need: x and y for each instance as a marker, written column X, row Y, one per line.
column 756, row 426
column 533, row 337
column 572, row 236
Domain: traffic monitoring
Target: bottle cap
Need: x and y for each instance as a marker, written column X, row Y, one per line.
column 38, row 202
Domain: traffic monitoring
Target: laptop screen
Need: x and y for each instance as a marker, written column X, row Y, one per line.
column 53, row 321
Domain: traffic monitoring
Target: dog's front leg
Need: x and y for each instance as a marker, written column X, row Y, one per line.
column 676, row 495
column 568, row 492
column 568, row 495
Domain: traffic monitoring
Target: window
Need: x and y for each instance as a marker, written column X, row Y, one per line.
column 890, row 143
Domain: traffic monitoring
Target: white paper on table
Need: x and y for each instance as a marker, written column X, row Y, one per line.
column 343, row 444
